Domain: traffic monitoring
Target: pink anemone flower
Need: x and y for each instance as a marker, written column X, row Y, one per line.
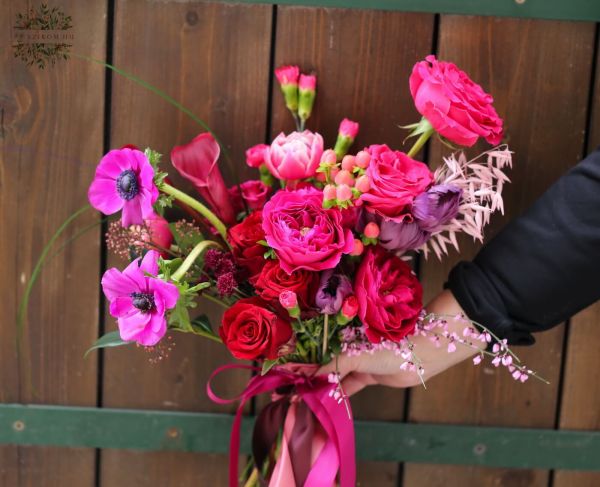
column 139, row 301
column 124, row 180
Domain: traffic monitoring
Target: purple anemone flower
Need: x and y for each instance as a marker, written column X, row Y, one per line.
column 124, row 180
column 437, row 206
column 401, row 236
column 139, row 301
column 333, row 289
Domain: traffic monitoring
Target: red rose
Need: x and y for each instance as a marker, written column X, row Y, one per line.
column 389, row 296
column 254, row 192
column 456, row 107
column 251, row 331
column 244, row 238
column 273, row 280
column 395, row 180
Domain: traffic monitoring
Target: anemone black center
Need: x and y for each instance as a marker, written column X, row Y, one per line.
column 143, row 301
column 127, row 185
column 332, row 285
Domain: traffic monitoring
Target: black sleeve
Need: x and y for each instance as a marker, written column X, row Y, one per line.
column 543, row 267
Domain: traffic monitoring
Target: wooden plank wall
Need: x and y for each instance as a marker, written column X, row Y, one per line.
column 217, row 60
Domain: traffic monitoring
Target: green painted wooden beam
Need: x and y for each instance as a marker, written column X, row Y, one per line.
column 539, row 9
column 384, row 441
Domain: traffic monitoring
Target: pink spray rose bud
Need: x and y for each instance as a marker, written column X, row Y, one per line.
column 362, row 159
column 289, row 300
column 344, row 177
column 255, row 155
column 343, row 193
column 359, row 247
column 350, row 307
column 288, row 80
column 348, row 163
column 328, row 158
column 346, row 135
column 329, row 192
column 363, row 184
column 371, row 230
column 306, row 95
column 295, row 156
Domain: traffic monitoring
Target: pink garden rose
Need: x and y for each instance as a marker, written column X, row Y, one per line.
column 456, row 107
column 394, row 181
column 303, row 234
column 389, row 296
column 139, row 300
column 295, row 156
column 124, row 180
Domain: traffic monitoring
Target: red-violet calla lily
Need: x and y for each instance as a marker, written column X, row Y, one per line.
column 197, row 162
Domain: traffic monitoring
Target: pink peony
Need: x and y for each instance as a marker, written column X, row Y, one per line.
column 295, row 156
column 394, row 181
column 139, row 301
column 197, row 162
column 389, row 296
column 124, row 180
column 303, row 234
column 456, row 107
column 255, row 155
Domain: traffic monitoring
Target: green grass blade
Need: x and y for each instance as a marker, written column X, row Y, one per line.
column 157, row 91
column 23, row 305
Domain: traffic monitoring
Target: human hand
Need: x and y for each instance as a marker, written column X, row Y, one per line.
column 383, row 366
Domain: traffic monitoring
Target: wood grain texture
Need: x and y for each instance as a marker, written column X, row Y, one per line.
column 362, row 60
column 580, row 402
column 50, row 140
column 214, row 59
column 541, row 90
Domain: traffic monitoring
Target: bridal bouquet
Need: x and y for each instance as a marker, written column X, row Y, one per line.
column 309, row 260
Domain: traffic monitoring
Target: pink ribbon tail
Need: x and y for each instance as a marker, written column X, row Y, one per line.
column 338, row 451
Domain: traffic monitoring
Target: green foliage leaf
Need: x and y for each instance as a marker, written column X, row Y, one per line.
column 110, row 339
column 268, row 365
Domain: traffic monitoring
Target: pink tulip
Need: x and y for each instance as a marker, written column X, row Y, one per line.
column 197, row 162
column 295, row 156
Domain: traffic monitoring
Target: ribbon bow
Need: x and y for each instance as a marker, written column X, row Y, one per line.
column 338, row 451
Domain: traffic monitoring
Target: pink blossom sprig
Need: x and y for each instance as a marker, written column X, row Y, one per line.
column 435, row 328
column 481, row 180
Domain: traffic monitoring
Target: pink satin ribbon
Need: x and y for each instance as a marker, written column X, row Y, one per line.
column 338, row 451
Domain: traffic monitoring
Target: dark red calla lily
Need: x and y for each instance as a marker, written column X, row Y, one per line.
column 197, row 162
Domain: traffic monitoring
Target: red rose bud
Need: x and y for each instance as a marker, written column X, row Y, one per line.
column 349, row 310
column 306, row 95
column 346, row 135
column 288, row 80
column 359, row 248
column 362, row 159
column 371, row 230
column 289, row 301
column 159, row 234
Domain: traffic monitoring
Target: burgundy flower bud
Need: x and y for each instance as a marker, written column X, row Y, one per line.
column 333, row 289
column 401, row 236
column 437, row 206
